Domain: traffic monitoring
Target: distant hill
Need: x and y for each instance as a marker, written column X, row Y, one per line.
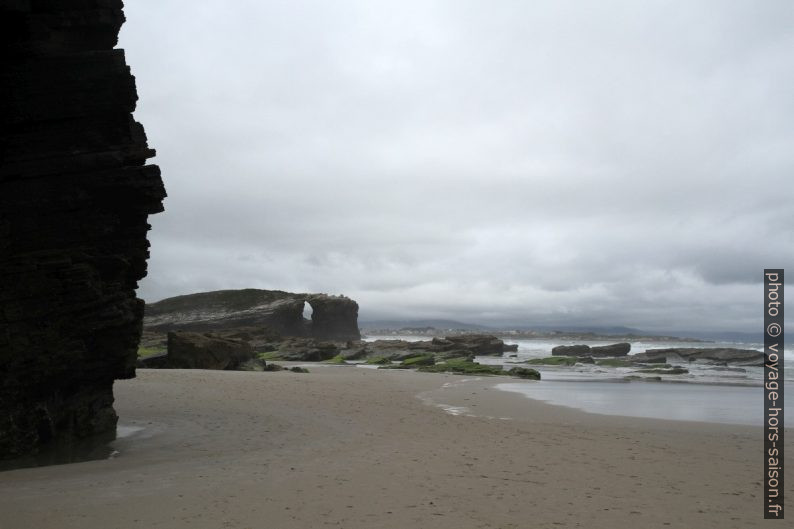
column 724, row 336
column 594, row 329
column 425, row 326
column 442, row 324
column 715, row 336
column 396, row 325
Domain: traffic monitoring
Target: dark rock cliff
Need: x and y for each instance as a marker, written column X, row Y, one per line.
column 333, row 317
column 75, row 194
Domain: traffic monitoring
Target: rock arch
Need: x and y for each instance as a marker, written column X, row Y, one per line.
column 333, row 317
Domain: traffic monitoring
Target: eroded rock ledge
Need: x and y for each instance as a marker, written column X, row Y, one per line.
column 75, row 194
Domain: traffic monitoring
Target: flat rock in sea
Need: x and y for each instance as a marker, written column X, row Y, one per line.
column 615, row 349
column 571, row 350
column 482, row 344
column 457, row 346
column 718, row 355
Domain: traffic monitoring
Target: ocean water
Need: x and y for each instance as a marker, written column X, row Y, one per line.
column 708, row 393
column 699, row 372
column 690, row 402
column 406, row 337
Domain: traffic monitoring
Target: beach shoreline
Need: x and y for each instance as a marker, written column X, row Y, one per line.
column 362, row 448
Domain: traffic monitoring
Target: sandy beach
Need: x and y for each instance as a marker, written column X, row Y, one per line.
column 361, row 448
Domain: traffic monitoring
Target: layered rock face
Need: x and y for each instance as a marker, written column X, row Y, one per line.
column 333, row 317
column 75, row 194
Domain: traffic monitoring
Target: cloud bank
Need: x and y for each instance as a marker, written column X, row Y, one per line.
column 620, row 163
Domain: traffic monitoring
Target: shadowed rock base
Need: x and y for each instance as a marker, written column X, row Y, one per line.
column 64, row 428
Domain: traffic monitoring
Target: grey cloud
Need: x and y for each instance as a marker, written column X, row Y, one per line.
column 613, row 163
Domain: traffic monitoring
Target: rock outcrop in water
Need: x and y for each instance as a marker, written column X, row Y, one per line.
column 571, row 350
column 458, row 346
column 615, row 349
column 715, row 355
column 75, row 193
column 332, row 318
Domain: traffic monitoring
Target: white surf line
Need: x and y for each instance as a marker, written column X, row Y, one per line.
column 456, row 410
column 123, row 431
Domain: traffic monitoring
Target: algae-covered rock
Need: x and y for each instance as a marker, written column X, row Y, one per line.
column 411, row 363
column 632, row 378
column 671, row 371
column 462, row 366
column 553, row 361
column 422, row 360
column 614, row 362
column 454, row 346
column 338, row 360
column 455, row 354
column 378, row 360
column 523, row 372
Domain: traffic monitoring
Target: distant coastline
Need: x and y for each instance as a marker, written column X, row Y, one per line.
column 441, row 327
column 529, row 334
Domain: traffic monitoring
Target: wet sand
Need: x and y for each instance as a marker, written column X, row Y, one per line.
column 360, row 448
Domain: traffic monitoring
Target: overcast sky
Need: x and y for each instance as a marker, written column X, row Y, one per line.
column 611, row 162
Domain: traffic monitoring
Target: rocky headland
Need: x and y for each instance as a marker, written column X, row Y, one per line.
column 245, row 329
column 332, row 317
column 249, row 329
